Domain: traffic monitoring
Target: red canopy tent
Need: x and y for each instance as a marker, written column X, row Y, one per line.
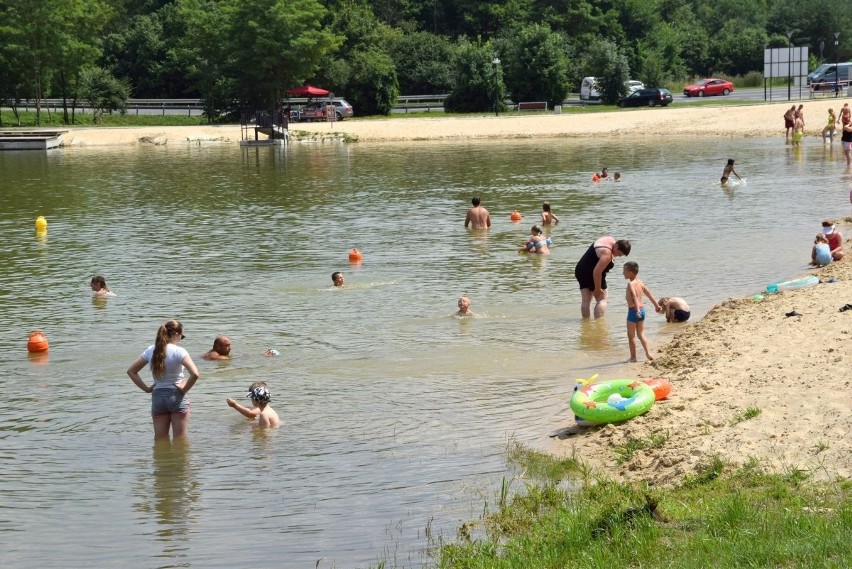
column 307, row 91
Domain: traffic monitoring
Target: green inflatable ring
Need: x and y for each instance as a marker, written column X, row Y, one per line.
column 590, row 401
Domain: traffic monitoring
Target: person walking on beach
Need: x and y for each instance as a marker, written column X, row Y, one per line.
column 169, row 362
column 477, row 216
column 845, row 115
column 590, row 272
column 221, row 349
column 636, row 289
column 789, row 121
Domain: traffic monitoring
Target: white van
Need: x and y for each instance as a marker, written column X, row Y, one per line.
column 589, row 89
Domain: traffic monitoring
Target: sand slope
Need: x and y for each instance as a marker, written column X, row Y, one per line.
column 744, row 353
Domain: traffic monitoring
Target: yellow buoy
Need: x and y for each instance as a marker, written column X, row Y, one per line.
column 41, row 224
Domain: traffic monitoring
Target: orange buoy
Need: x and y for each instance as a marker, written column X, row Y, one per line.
column 37, row 342
column 515, row 216
column 40, row 224
column 355, row 256
column 662, row 387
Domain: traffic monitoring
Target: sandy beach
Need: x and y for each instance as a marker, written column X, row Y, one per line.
column 743, row 354
column 674, row 120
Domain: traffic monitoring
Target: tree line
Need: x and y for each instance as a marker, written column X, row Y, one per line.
column 245, row 54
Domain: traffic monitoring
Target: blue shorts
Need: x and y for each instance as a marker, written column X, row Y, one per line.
column 635, row 315
column 165, row 401
column 681, row 315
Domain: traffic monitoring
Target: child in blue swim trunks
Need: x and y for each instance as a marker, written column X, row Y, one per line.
column 676, row 309
column 636, row 289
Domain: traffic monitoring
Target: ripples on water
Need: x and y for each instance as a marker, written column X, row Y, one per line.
column 395, row 412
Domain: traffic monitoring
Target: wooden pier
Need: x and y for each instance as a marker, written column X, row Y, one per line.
column 30, row 139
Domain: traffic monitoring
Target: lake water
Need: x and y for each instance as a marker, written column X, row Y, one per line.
column 396, row 415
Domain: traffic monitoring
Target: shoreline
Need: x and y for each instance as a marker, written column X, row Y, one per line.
column 741, row 355
column 744, row 357
column 763, row 120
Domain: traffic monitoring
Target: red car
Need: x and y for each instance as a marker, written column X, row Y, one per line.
column 709, row 87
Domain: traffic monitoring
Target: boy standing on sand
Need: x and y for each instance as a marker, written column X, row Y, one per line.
column 635, row 311
column 261, row 410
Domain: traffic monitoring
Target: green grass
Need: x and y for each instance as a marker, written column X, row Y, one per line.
column 719, row 518
column 54, row 120
column 749, row 413
column 625, row 452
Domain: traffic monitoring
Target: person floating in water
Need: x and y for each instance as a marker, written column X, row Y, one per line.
column 337, row 279
column 537, row 243
column 729, row 169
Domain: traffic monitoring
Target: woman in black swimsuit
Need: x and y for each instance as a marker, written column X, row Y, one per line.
column 591, row 271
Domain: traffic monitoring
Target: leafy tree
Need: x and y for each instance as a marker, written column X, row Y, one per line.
column 103, row 91
column 606, row 62
column 362, row 68
column 423, row 63
column 536, row 64
column 739, row 50
column 275, row 44
column 478, row 82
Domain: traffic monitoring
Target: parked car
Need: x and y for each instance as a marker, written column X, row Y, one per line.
column 316, row 111
column 589, row 90
column 709, row 86
column 827, row 75
column 646, row 98
column 634, row 85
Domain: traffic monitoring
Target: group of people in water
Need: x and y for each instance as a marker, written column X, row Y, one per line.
column 591, row 271
column 794, row 123
column 175, row 373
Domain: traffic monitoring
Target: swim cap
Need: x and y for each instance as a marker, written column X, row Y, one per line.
column 260, row 394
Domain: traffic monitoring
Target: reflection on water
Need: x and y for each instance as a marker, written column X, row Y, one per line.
column 395, row 414
column 173, row 497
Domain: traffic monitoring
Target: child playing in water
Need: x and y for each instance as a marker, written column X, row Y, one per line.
column 261, row 410
column 821, row 253
column 617, row 177
column 537, row 243
column 635, row 311
column 676, row 309
column 99, row 287
column 547, row 216
column 464, row 307
column 729, row 169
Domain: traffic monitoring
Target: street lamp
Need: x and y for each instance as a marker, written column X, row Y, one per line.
column 789, row 61
column 836, row 70
column 495, row 61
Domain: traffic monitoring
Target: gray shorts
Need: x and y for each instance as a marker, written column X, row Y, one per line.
column 165, row 401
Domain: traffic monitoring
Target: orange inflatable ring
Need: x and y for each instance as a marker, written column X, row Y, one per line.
column 595, row 178
column 662, row 387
